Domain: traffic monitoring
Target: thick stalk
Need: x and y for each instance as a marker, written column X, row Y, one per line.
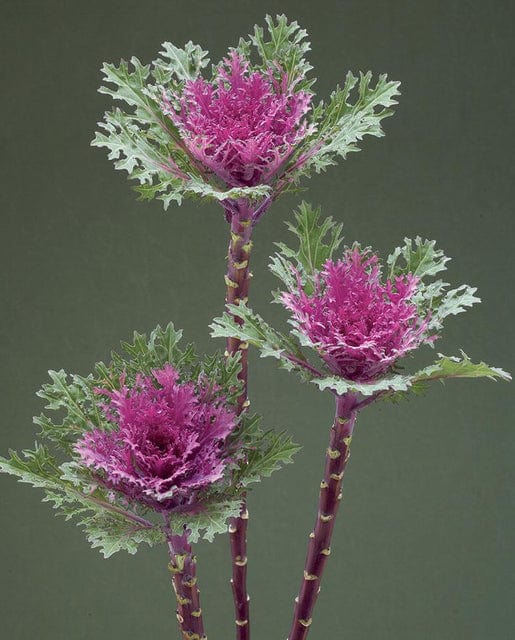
column 182, row 567
column 237, row 281
column 319, row 546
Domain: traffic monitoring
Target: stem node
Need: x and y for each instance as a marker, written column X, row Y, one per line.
column 305, row 623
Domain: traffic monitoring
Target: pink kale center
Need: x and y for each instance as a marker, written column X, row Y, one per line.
column 166, row 439
column 242, row 126
column 359, row 325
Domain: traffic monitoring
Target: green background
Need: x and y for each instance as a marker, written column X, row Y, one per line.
column 423, row 547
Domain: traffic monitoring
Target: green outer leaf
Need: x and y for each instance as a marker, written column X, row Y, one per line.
column 344, row 122
column 456, row 367
column 132, row 149
column 169, row 190
column 37, row 467
column 254, row 330
column 109, row 535
column 286, row 46
column 447, row 367
column 259, row 453
column 179, row 64
column 198, row 187
column 73, row 397
column 341, row 385
column 209, row 522
column 419, row 257
column 128, row 86
column 276, row 450
column 453, row 302
column 107, row 528
column 318, row 239
column 422, row 259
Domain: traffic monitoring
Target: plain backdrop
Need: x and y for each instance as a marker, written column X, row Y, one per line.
column 424, row 544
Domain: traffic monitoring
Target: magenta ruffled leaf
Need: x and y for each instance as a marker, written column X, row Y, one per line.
column 165, row 441
column 360, row 325
column 242, row 125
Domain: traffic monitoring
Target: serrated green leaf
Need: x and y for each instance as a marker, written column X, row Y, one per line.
column 258, row 453
column 453, row 302
column 109, row 534
column 207, row 523
column 179, row 64
column 281, row 267
column 128, row 82
column 419, row 257
column 146, row 353
column 342, row 386
column 198, row 187
column 275, row 450
column 318, row 240
column 108, row 527
column 395, row 386
column 422, row 259
column 132, row 150
column 254, row 330
column 448, row 367
column 286, row 45
column 36, row 467
column 459, row 367
column 72, row 397
column 353, row 112
column 170, row 190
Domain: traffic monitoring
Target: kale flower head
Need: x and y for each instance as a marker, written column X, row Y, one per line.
column 359, row 324
column 149, row 445
column 356, row 316
column 166, row 442
column 242, row 125
column 249, row 130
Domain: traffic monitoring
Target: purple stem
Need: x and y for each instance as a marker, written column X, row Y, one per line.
column 182, row 567
column 237, row 279
column 319, row 546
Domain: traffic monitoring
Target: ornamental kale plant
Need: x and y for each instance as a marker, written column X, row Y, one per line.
column 245, row 134
column 352, row 321
column 158, row 445
column 151, row 449
column 241, row 136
